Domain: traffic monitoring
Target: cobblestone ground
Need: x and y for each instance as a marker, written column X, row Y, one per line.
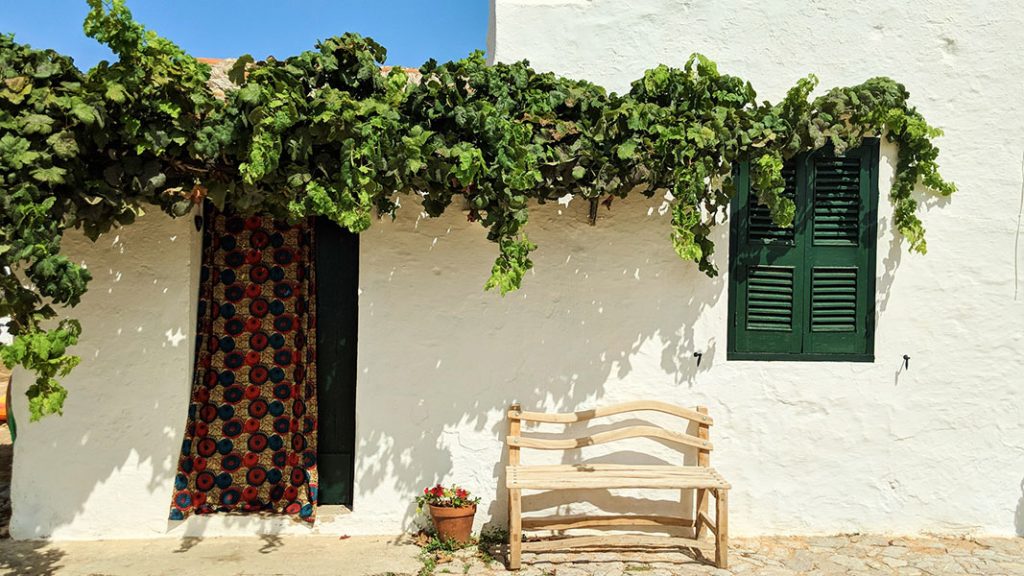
column 780, row 556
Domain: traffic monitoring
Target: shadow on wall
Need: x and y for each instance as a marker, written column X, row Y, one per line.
column 1018, row 520
column 127, row 400
column 606, row 310
column 608, row 314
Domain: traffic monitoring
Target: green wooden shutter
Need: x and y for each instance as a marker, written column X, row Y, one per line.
column 807, row 292
column 766, row 275
column 839, row 251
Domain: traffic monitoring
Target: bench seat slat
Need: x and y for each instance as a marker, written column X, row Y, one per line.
column 570, row 476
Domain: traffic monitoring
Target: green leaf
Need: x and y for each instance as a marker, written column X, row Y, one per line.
column 50, row 175
column 36, row 124
column 63, row 144
column 237, row 72
column 626, row 149
column 116, row 92
column 85, row 113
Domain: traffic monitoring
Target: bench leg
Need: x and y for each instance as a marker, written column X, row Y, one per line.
column 515, row 527
column 722, row 528
column 702, row 506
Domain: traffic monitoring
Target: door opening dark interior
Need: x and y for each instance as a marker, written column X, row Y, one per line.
column 337, row 284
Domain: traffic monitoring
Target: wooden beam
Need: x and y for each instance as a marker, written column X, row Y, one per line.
column 610, row 436
column 707, row 523
column 577, row 476
column 583, row 415
column 703, row 459
column 515, row 499
column 722, row 534
column 613, row 541
column 587, row 521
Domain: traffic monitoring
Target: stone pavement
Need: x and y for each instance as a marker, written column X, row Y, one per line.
column 789, row 556
column 379, row 556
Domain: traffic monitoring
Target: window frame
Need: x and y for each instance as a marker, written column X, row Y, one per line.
column 871, row 148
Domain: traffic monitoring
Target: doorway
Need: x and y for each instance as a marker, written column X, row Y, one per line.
column 337, row 326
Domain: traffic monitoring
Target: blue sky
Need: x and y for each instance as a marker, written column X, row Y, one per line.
column 411, row 30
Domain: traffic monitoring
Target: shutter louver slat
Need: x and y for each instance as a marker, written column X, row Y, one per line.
column 833, row 299
column 770, row 298
column 837, row 201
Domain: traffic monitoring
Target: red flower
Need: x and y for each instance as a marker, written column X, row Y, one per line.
column 460, row 493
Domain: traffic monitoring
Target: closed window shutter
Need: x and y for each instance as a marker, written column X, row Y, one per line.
column 807, row 291
column 838, row 250
column 766, row 274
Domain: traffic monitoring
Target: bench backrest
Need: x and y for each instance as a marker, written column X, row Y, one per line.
column 516, row 440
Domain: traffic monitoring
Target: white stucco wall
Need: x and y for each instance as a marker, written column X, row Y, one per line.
column 940, row 447
column 610, row 314
column 102, row 469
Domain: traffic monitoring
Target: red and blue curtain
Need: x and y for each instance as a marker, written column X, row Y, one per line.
column 250, row 440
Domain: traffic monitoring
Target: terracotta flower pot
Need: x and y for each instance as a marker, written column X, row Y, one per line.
column 453, row 523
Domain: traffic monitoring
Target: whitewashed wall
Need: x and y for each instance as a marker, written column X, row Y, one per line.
column 850, row 447
column 610, row 314
column 102, row 470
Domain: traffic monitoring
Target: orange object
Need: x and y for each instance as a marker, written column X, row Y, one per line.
column 5, row 397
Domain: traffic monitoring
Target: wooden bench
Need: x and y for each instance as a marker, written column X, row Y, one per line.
column 701, row 478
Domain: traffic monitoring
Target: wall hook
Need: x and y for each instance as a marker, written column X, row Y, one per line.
column 906, row 362
column 698, row 356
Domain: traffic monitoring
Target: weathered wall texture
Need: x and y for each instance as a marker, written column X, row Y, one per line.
column 610, row 314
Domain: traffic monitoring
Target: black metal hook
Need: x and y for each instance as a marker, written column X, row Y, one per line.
column 906, row 362
column 698, row 356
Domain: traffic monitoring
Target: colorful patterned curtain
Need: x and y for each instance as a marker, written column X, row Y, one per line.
column 250, row 441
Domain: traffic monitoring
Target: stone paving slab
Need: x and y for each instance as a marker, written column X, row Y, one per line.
column 397, row 556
